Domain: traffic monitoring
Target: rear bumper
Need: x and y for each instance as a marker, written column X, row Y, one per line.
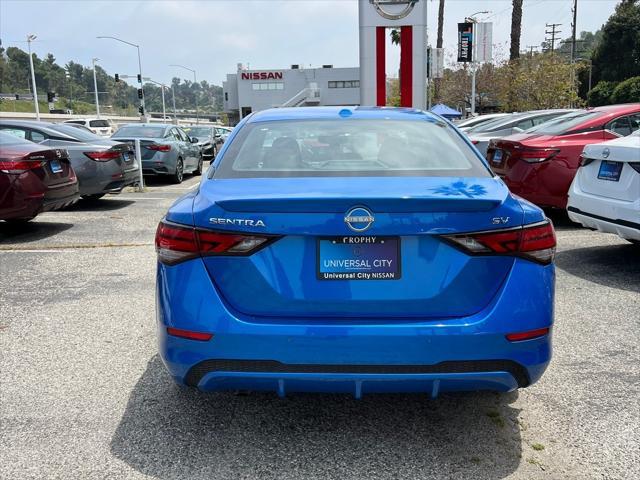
column 354, row 356
column 605, row 214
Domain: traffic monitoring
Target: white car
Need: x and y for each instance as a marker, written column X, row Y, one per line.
column 473, row 122
column 605, row 193
column 100, row 126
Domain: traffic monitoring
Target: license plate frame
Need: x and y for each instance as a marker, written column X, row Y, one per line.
column 55, row 166
column 358, row 258
column 610, row 171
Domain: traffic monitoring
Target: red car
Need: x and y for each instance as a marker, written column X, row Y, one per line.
column 33, row 179
column 540, row 164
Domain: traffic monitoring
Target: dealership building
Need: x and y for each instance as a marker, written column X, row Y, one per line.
column 249, row 91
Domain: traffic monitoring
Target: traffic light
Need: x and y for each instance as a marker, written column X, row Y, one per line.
column 117, row 77
column 139, row 78
column 139, row 93
column 141, row 110
column 51, row 96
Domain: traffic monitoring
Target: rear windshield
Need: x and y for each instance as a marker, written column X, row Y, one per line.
column 198, row 131
column 564, row 123
column 328, row 148
column 77, row 122
column 75, row 132
column 99, row 123
column 9, row 139
column 140, row 131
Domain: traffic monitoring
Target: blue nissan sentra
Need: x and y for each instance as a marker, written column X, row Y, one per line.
column 356, row 250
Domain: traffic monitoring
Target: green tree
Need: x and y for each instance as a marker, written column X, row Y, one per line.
column 601, row 93
column 617, row 56
column 627, row 91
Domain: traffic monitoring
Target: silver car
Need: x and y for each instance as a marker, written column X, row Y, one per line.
column 473, row 122
column 101, row 165
column 166, row 149
column 512, row 123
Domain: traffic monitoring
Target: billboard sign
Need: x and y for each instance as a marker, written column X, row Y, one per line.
column 483, row 42
column 465, row 42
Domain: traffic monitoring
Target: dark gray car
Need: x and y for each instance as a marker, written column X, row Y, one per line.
column 166, row 149
column 101, row 165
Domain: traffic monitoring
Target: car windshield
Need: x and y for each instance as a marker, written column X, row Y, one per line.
column 198, row 131
column 8, row 139
column 564, row 123
column 324, row 148
column 99, row 123
column 142, row 131
column 77, row 133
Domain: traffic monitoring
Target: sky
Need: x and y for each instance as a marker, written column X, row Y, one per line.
column 213, row 36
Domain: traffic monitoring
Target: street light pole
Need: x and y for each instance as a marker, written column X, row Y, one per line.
column 95, row 86
column 142, row 104
column 34, row 89
column 195, row 81
column 175, row 115
column 162, row 87
column 474, row 47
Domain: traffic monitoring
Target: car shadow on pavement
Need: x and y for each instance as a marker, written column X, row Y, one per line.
column 561, row 220
column 173, row 432
column 102, row 204
column 615, row 266
column 30, row 231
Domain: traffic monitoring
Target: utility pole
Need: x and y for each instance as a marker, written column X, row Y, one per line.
column 531, row 48
column 554, row 34
column 95, row 86
column 34, row 90
column 573, row 31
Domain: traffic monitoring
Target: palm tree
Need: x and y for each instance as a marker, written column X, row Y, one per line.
column 516, row 28
column 436, row 92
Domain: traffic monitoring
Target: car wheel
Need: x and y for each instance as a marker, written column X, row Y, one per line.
column 179, row 174
column 198, row 170
column 93, row 198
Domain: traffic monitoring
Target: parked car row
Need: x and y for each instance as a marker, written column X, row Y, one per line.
column 585, row 160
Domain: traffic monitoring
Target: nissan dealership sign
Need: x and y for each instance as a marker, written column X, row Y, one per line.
column 261, row 76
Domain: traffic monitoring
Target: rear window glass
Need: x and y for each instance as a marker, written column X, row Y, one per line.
column 77, row 122
column 564, row 123
column 7, row 137
column 75, row 132
column 140, row 131
column 99, row 123
column 327, row 148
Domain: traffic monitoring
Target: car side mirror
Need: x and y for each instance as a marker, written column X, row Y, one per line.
column 194, row 140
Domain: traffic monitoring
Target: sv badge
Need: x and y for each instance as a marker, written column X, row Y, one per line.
column 500, row 220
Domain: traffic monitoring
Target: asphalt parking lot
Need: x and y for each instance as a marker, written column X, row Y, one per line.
column 84, row 395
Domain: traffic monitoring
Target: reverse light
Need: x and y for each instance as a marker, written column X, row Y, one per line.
column 530, row 335
column 104, row 156
column 177, row 243
column 188, row 334
column 158, row 148
column 536, row 242
column 538, row 155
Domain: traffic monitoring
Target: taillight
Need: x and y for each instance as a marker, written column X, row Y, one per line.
column 19, row 166
column 535, row 242
column 537, row 155
column 635, row 166
column 103, row 156
column 158, row 148
column 175, row 243
column 475, row 142
column 584, row 161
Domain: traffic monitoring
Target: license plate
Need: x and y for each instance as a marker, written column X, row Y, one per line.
column 358, row 258
column 610, row 171
column 55, row 166
column 497, row 156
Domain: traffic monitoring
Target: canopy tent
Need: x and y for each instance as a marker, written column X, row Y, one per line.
column 446, row 112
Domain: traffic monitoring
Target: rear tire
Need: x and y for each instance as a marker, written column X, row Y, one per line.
column 198, row 170
column 93, row 198
column 178, row 176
